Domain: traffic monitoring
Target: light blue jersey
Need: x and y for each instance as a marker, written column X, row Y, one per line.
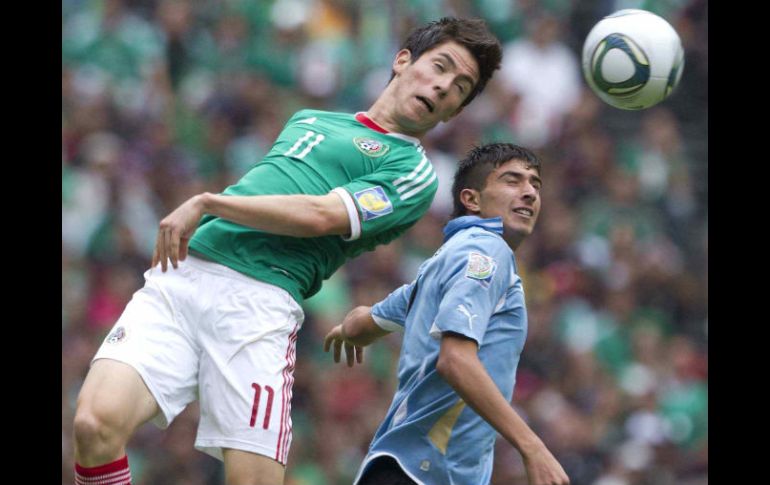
column 470, row 287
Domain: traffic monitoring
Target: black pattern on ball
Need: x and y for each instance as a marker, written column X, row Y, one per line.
column 637, row 56
column 672, row 76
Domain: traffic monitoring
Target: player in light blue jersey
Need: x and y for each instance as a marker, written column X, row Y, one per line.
column 465, row 322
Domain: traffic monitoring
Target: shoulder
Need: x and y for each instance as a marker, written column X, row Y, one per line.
column 318, row 114
column 489, row 240
column 405, row 156
column 478, row 244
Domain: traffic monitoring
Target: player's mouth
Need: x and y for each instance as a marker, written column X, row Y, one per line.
column 524, row 211
column 427, row 103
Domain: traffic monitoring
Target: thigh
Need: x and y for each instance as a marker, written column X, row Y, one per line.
column 114, row 391
column 152, row 337
column 247, row 373
column 242, row 467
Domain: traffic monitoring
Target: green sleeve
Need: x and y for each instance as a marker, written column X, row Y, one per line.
column 395, row 195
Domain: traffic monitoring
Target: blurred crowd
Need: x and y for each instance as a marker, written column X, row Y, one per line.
column 163, row 99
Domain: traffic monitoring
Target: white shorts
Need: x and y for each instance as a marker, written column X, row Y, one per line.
column 205, row 331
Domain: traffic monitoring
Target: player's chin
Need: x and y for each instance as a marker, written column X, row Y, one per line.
column 522, row 228
column 425, row 120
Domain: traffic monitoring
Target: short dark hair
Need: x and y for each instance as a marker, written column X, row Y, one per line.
column 473, row 170
column 473, row 34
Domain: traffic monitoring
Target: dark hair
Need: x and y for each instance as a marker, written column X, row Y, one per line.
column 473, row 34
column 473, row 170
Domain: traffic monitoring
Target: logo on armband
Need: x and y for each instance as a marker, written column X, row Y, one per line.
column 373, row 203
column 370, row 147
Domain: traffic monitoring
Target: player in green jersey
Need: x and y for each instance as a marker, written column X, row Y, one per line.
column 220, row 324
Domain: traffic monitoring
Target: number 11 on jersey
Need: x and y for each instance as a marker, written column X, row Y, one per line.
column 311, row 142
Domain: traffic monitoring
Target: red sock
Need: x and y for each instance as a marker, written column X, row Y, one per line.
column 115, row 473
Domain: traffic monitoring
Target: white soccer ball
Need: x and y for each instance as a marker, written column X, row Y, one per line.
column 633, row 59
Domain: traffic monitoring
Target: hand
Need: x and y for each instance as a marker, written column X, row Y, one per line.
column 337, row 336
column 175, row 232
column 543, row 469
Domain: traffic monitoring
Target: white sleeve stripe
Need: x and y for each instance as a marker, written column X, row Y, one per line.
column 355, row 223
column 416, row 181
column 386, row 324
column 417, row 190
column 414, row 173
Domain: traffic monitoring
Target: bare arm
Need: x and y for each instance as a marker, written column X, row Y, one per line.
column 288, row 215
column 460, row 366
column 357, row 331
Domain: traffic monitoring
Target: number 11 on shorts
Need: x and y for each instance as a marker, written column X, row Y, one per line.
column 255, row 407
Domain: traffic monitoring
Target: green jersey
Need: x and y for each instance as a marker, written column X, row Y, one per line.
column 384, row 179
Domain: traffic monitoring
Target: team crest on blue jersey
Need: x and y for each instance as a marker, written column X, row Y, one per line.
column 480, row 267
column 370, row 146
column 118, row 335
column 373, row 203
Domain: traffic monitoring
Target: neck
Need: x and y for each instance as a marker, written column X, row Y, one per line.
column 513, row 240
column 384, row 113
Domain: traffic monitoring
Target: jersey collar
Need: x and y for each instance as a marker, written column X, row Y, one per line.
column 494, row 224
column 369, row 123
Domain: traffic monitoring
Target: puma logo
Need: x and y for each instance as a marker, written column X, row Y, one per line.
column 465, row 312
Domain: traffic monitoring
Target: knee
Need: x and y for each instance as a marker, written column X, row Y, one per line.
column 94, row 431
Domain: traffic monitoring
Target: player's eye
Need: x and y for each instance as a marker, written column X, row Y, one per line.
column 439, row 67
column 461, row 88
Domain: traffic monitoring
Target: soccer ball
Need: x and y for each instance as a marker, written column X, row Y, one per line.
column 632, row 59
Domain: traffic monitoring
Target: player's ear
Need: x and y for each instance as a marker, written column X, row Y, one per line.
column 471, row 199
column 402, row 60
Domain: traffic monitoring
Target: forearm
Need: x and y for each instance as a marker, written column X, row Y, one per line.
column 468, row 377
column 359, row 328
column 288, row 215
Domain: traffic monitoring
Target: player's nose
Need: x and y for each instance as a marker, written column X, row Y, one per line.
column 529, row 192
column 441, row 86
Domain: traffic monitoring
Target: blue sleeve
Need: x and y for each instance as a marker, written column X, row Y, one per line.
column 390, row 313
column 477, row 276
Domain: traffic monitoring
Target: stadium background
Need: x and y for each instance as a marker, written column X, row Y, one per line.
column 164, row 99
